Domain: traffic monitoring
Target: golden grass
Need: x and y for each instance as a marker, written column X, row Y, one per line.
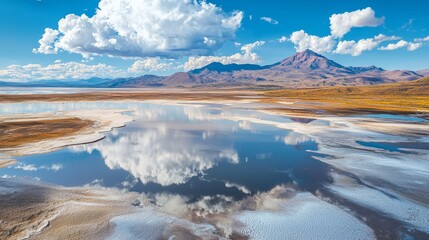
column 400, row 98
column 409, row 97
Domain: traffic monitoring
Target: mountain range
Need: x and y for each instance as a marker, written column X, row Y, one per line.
column 302, row 70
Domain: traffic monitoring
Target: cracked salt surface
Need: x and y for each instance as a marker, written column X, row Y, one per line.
column 303, row 217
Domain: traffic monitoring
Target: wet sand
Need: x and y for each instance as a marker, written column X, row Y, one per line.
column 24, row 134
column 22, row 130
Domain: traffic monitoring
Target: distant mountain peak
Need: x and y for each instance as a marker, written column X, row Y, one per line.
column 309, row 59
column 309, row 52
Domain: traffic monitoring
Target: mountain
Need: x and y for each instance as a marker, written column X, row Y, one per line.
column 219, row 67
column 309, row 60
column 305, row 69
column 138, row 82
column 302, row 70
column 366, row 69
column 424, row 72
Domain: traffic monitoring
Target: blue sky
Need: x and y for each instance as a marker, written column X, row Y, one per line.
column 141, row 39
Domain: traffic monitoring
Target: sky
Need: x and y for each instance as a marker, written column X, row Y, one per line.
column 79, row 39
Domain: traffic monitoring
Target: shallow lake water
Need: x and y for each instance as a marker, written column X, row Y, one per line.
column 233, row 152
column 186, row 150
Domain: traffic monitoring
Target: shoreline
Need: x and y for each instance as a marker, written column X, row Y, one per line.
column 56, row 131
column 287, row 101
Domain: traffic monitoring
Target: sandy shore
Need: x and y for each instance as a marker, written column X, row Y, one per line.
column 23, row 134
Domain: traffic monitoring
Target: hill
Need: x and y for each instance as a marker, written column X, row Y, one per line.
column 306, row 69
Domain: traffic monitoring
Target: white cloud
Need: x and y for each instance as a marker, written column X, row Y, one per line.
column 144, row 28
column 394, row 46
column 382, row 38
column 413, row 46
column 270, row 20
column 282, row 39
column 304, row 41
column 46, row 43
column 247, row 56
column 357, row 48
column 342, row 23
column 60, row 71
column 426, row 39
column 150, row 64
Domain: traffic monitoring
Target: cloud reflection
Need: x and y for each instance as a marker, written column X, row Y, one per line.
column 162, row 155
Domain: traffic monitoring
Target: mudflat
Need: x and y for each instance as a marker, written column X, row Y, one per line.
column 17, row 132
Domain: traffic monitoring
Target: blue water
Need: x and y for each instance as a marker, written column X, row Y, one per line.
column 186, row 150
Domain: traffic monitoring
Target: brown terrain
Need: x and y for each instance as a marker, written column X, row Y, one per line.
column 303, row 70
column 15, row 133
column 400, row 98
column 406, row 98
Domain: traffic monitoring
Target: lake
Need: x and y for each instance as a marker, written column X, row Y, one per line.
column 229, row 153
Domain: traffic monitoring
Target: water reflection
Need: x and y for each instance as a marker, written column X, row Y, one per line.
column 192, row 151
column 162, row 155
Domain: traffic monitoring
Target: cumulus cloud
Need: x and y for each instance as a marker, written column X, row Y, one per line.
column 270, row 20
column 413, row 46
column 144, row 28
column 357, row 48
column 46, row 43
column 282, row 39
column 342, row 23
column 59, row 71
column 382, row 38
column 150, row 64
column 304, row 41
column 246, row 56
column 394, row 46
column 426, row 39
